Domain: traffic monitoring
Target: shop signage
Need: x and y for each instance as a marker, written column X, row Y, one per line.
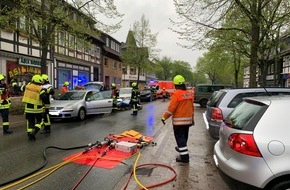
column 29, row 62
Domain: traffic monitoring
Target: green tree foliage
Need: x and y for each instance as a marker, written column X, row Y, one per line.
column 164, row 69
column 264, row 18
column 43, row 18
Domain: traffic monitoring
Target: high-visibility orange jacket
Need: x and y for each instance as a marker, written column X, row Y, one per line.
column 63, row 89
column 181, row 108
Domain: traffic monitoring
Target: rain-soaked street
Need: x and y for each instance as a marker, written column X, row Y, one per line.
column 19, row 157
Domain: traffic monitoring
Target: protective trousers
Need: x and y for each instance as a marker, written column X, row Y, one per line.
column 46, row 120
column 181, row 137
column 5, row 116
column 135, row 107
column 34, row 124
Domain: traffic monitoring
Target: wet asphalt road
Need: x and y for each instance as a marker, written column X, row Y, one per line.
column 20, row 156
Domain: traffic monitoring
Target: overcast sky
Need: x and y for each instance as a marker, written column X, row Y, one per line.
column 158, row 13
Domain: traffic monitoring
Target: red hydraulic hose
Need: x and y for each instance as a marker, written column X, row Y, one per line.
column 158, row 184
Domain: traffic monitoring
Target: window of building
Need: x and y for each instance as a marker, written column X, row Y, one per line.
column 61, row 38
column 132, row 71
column 114, row 64
column 71, row 42
column 106, row 62
column 124, row 69
column 107, row 42
column 22, row 23
column 120, row 66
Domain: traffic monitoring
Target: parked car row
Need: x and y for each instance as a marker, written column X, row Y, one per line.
column 251, row 126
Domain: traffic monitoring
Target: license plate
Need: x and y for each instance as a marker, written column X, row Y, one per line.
column 53, row 113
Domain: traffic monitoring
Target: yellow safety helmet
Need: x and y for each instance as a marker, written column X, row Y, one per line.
column 37, row 79
column 178, row 80
column 113, row 85
column 2, row 77
column 45, row 77
column 134, row 84
column 66, row 83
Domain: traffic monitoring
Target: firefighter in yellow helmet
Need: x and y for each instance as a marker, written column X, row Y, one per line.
column 115, row 96
column 49, row 93
column 5, row 104
column 181, row 109
column 33, row 97
column 64, row 87
column 135, row 95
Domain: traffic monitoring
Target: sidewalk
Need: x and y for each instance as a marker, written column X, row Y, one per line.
column 199, row 174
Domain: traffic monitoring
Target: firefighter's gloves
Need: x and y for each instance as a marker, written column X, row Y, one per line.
column 163, row 120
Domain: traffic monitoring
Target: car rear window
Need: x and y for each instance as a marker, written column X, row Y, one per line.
column 239, row 97
column 246, row 115
column 215, row 98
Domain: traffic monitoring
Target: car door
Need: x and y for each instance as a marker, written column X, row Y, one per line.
column 100, row 102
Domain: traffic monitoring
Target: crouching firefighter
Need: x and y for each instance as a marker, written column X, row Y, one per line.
column 33, row 97
column 4, row 104
column 49, row 92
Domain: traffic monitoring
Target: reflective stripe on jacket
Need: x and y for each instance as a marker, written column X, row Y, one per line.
column 181, row 108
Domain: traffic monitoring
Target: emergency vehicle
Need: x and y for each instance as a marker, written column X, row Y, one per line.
column 159, row 85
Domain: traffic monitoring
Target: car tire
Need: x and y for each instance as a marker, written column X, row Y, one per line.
column 281, row 185
column 203, row 103
column 82, row 114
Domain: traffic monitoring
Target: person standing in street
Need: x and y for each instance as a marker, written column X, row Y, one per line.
column 164, row 93
column 5, row 103
column 181, row 109
column 134, row 99
column 49, row 93
column 115, row 96
column 64, row 87
column 34, row 96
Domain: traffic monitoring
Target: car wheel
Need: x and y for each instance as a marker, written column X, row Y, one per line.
column 82, row 114
column 203, row 103
column 281, row 185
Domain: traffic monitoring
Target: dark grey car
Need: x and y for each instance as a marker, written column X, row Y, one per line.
column 222, row 102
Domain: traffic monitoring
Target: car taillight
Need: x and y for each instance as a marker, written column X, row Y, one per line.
column 244, row 143
column 216, row 114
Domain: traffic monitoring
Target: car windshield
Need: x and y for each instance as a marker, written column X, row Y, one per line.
column 243, row 114
column 72, row 96
column 125, row 91
column 93, row 86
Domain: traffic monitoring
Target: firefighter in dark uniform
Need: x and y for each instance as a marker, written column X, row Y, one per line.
column 135, row 98
column 49, row 93
column 33, row 97
column 115, row 96
column 5, row 103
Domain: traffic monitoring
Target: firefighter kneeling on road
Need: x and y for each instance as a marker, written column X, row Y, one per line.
column 115, row 96
column 181, row 109
column 33, row 97
column 5, row 103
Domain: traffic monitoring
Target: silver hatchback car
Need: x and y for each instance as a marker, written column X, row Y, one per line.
column 254, row 144
column 222, row 102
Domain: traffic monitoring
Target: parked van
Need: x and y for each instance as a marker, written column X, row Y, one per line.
column 202, row 92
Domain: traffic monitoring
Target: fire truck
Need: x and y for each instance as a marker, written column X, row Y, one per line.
column 159, row 85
